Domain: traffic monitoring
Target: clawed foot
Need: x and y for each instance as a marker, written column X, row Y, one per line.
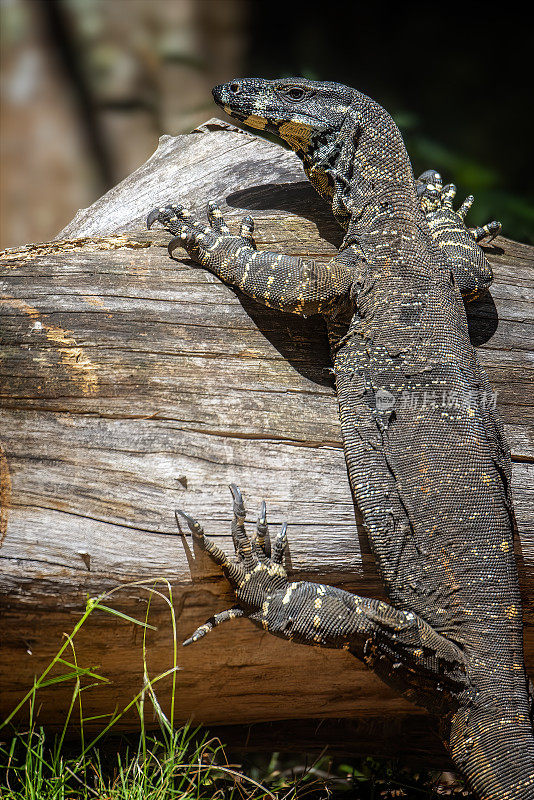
column 254, row 574
column 203, row 242
column 437, row 205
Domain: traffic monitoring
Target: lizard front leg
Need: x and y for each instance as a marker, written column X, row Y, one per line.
column 287, row 283
column 399, row 646
column 459, row 244
column 435, row 196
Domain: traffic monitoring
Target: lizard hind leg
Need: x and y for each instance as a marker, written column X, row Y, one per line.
column 401, row 647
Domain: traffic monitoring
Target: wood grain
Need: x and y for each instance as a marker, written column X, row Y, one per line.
column 132, row 384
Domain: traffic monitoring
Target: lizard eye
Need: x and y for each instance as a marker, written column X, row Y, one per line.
column 294, row 93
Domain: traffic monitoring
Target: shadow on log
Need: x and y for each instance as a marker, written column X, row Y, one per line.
column 133, row 384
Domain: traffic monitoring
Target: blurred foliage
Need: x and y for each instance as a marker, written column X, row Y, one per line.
column 472, row 177
column 88, row 85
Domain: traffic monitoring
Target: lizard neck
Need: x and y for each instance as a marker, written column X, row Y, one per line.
column 382, row 186
column 362, row 170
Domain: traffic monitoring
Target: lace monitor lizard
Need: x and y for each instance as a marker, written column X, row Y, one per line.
column 428, row 463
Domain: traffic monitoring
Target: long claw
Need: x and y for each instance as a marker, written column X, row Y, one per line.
column 262, row 516
column 152, row 217
column 198, row 634
column 192, row 523
column 262, row 531
column 234, row 572
column 280, row 544
column 242, row 543
column 239, row 504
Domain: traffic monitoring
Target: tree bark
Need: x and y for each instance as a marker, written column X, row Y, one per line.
column 133, row 384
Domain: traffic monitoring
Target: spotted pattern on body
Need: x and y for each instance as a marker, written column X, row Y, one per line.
column 426, row 455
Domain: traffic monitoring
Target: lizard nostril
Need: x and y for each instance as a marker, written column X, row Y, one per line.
column 234, row 88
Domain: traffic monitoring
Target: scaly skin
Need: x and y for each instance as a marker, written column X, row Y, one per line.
column 427, row 460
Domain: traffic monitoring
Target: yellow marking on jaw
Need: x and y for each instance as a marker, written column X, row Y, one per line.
column 505, row 547
column 318, row 602
column 255, row 122
column 316, row 621
column 296, row 134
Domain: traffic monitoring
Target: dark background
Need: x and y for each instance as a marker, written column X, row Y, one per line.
column 89, row 85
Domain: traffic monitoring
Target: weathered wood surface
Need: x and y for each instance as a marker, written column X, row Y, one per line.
column 132, row 385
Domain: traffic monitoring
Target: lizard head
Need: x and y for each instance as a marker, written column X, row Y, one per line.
column 304, row 114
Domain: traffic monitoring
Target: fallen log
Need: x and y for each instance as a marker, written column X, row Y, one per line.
column 132, row 384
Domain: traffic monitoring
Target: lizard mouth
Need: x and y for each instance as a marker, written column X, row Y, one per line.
column 234, row 105
column 300, row 132
column 242, row 106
